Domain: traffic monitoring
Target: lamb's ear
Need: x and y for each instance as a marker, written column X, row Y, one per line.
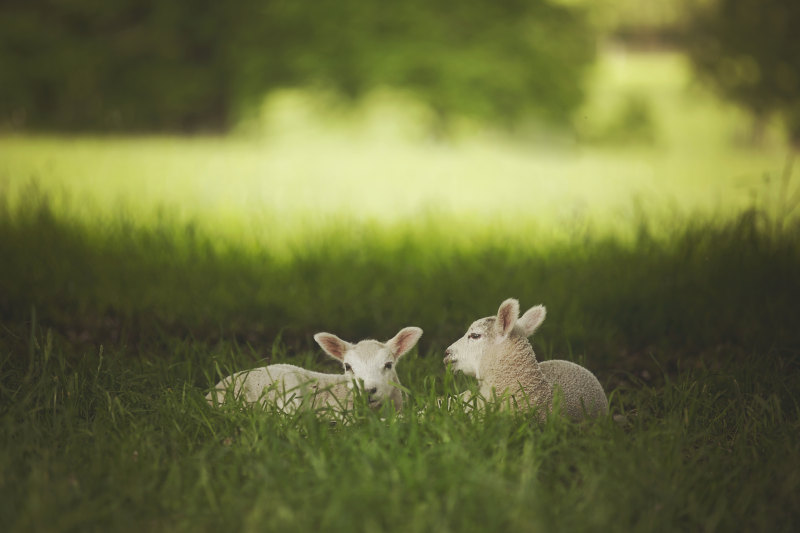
column 507, row 317
column 532, row 319
column 332, row 345
column 404, row 341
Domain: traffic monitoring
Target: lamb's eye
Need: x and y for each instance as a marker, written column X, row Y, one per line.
column 388, row 366
column 347, row 367
column 474, row 335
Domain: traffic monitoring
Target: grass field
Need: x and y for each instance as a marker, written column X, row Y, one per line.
column 135, row 272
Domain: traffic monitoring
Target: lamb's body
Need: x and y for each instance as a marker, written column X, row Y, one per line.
column 369, row 366
column 511, row 368
column 580, row 389
column 497, row 352
column 285, row 386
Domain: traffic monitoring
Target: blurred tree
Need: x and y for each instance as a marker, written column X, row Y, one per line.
column 127, row 64
column 749, row 51
column 176, row 65
column 642, row 23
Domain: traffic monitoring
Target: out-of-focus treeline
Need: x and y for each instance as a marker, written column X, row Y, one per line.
column 181, row 65
column 749, row 51
column 202, row 65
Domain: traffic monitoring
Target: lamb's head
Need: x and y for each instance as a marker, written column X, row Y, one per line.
column 488, row 335
column 371, row 364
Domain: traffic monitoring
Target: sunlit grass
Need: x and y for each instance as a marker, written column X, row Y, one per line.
column 309, row 166
column 235, row 179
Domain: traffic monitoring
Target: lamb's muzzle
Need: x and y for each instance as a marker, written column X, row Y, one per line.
column 448, row 357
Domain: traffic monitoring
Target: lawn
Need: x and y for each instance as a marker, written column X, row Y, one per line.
column 134, row 273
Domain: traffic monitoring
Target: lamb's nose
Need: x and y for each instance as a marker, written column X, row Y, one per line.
column 447, row 355
column 372, row 391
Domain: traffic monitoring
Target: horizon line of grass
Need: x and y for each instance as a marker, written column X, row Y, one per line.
column 705, row 286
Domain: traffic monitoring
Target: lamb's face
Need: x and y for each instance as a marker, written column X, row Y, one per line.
column 371, row 364
column 487, row 334
column 466, row 353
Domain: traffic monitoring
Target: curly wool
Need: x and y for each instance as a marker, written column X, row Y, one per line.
column 581, row 393
column 513, row 368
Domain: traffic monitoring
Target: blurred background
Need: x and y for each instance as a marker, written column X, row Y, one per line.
column 570, row 108
column 277, row 127
column 201, row 67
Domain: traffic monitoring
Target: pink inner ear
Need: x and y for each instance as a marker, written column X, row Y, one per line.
column 507, row 315
column 402, row 344
column 404, row 341
column 332, row 345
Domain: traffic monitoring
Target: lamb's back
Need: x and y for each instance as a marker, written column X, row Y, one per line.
column 275, row 383
column 246, row 384
column 579, row 388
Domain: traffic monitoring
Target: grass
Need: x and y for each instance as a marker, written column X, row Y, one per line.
column 112, row 333
column 122, row 441
column 118, row 282
column 134, row 273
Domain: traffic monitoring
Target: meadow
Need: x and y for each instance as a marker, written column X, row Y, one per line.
column 136, row 272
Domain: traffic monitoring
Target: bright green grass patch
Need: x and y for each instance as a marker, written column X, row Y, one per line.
column 238, row 188
column 703, row 285
column 313, row 166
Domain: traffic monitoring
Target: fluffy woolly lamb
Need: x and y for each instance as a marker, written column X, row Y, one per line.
column 496, row 351
column 368, row 365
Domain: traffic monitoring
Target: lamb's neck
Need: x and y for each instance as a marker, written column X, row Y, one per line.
column 512, row 366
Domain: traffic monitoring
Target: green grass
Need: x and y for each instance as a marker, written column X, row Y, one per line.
column 112, row 333
column 124, row 441
column 118, row 281
column 134, row 273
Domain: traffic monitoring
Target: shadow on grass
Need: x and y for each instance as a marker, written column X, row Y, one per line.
column 705, row 291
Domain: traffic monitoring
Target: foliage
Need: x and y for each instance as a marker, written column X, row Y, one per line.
column 642, row 23
column 748, row 50
column 631, row 123
column 187, row 66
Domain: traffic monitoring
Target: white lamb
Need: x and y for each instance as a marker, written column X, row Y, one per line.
column 368, row 365
column 496, row 351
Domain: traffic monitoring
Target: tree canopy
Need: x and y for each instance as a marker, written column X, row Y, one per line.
column 170, row 65
column 749, row 51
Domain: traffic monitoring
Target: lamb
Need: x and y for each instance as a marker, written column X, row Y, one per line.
column 368, row 365
column 497, row 352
